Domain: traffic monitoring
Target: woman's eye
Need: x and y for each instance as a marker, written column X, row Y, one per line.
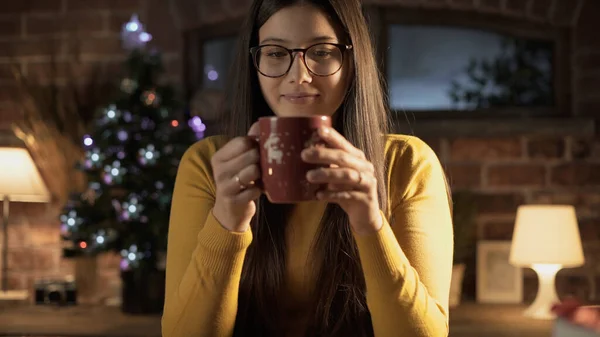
column 276, row 54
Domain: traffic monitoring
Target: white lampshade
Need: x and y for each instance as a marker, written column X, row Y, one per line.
column 546, row 234
column 20, row 179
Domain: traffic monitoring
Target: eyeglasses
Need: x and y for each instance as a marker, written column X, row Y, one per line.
column 322, row 59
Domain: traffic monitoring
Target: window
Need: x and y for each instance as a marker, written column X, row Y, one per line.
column 438, row 63
column 217, row 56
column 454, row 68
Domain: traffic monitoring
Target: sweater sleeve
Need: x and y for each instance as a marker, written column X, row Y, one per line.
column 204, row 260
column 408, row 263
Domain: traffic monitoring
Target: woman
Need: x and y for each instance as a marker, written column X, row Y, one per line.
column 371, row 257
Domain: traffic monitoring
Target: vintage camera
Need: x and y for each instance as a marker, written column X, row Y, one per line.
column 56, row 292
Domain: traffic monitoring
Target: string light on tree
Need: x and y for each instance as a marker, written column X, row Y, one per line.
column 133, row 34
column 70, row 220
column 131, row 209
column 148, row 155
column 111, row 114
column 65, row 231
column 164, row 113
column 114, row 173
column 87, row 141
column 127, row 117
column 196, row 124
column 122, row 135
column 100, row 237
column 94, row 158
column 130, row 257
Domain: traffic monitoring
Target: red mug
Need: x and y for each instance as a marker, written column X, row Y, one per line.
column 283, row 172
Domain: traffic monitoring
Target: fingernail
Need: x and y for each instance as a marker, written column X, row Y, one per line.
column 325, row 129
column 314, row 175
column 306, row 152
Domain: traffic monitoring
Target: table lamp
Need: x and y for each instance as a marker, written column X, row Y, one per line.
column 546, row 239
column 20, row 181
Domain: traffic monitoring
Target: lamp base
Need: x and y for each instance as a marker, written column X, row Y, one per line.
column 14, row 295
column 546, row 297
column 540, row 311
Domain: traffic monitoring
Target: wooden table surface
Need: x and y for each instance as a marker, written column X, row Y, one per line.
column 468, row 320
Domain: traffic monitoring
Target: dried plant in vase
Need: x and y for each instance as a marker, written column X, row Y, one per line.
column 55, row 107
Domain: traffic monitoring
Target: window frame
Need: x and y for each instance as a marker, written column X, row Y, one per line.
column 193, row 47
column 381, row 18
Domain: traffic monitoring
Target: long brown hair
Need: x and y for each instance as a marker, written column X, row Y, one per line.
column 339, row 300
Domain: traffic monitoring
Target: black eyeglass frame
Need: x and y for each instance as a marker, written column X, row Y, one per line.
column 342, row 47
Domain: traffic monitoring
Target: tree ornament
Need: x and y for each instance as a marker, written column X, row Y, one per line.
column 128, row 86
column 150, row 98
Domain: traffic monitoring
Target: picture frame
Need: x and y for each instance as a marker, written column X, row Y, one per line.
column 497, row 280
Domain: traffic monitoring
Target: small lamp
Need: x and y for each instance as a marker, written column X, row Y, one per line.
column 546, row 239
column 20, row 181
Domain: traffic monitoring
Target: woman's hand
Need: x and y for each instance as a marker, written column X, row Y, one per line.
column 574, row 312
column 235, row 168
column 349, row 178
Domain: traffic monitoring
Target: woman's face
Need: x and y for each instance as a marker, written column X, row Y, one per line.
column 300, row 92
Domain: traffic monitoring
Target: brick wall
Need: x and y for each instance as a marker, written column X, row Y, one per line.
column 505, row 171
column 193, row 13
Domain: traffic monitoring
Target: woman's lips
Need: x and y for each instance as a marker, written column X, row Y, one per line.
column 300, row 98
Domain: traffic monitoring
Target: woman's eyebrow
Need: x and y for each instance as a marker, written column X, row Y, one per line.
column 280, row 40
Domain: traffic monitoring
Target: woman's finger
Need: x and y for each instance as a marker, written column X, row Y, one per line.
column 254, row 130
column 336, row 140
column 227, row 170
column 241, row 181
column 249, row 194
column 232, row 149
column 339, row 187
column 342, row 196
column 339, row 176
column 335, row 157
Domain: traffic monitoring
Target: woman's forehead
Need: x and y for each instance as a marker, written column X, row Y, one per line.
column 296, row 25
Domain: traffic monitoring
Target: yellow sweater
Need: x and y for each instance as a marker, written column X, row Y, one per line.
column 407, row 264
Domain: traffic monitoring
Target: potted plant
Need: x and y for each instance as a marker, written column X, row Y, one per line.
column 464, row 223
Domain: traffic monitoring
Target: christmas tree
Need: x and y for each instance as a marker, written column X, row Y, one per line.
column 132, row 154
